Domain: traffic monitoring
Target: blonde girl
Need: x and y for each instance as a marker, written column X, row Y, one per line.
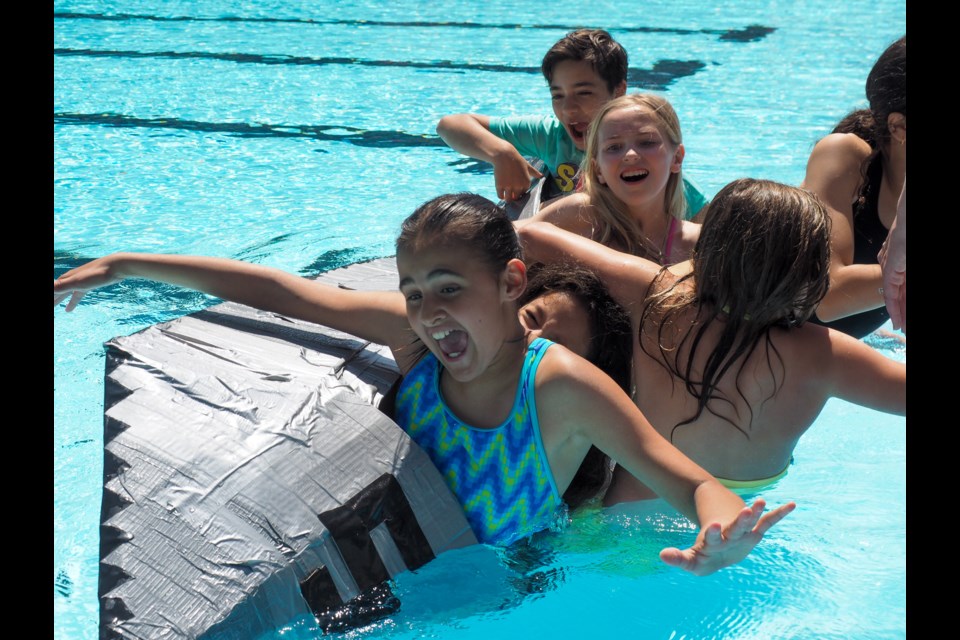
column 632, row 198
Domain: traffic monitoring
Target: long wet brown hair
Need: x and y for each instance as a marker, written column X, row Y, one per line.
column 886, row 90
column 761, row 262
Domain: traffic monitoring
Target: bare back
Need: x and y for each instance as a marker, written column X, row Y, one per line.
column 764, row 401
column 762, row 405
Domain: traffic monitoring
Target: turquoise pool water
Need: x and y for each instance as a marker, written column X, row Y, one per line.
column 300, row 134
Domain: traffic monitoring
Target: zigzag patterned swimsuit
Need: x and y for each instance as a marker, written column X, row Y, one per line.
column 501, row 475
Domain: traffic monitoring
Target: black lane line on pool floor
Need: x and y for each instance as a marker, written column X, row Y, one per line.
column 663, row 73
column 750, row 33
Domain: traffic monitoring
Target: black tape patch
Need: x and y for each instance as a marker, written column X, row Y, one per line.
column 319, row 591
column 380, row 502
column 373, row 604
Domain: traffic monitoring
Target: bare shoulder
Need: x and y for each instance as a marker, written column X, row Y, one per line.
column 841, row 146
column 836, row 154
column 824, row 354
column 567, row 376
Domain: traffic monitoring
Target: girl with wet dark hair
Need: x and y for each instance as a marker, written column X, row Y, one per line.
column 859, row 172
column 725, row 364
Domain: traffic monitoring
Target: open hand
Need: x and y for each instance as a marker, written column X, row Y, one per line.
column 718, row 546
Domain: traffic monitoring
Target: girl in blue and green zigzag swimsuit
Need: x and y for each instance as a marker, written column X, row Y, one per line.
column 506, row 415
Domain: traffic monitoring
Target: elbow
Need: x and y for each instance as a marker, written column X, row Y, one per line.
column 445, row 126
column 837, row 303
column 829, row 310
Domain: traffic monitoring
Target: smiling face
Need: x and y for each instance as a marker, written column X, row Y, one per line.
column 461, row 310
column 578, row 93
column 634, row 158
column 560, row 317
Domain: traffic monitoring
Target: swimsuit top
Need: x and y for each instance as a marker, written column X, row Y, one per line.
column 669, row 245
column 869, row 235
column 501, row 476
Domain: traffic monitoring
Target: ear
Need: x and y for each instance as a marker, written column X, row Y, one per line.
column 678, row 159
column 620, row 89
column 596, row 171
column 897, row 126
column 513, row 280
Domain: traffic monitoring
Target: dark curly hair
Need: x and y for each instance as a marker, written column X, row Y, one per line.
column 610, row 350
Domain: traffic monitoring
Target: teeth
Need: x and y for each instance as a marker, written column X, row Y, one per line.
column 440, row 335
column 453, row 355
column 634, row 174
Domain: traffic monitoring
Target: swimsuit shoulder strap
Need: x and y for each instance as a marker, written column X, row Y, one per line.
column 668, row 249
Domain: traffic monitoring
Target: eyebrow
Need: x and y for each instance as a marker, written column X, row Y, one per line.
column 433, row 275
column 584, row 83
column 646, row 130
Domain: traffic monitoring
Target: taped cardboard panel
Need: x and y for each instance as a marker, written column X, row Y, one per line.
column 226, row 437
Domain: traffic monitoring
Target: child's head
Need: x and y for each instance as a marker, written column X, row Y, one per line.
column 608, row 339
column 763, row 253
column 605, row 323
column 584, row 69
column 886, row 89
column 606, row 56
column 761, row 262
column 647, row 124
column 462, row 221
column 458, row 259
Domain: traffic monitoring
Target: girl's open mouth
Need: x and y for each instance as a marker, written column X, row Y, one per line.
column 452, row 342
column 634, row 176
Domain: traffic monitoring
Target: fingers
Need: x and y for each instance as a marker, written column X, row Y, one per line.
column 882, row 254
column 676, row 558
column 74, row 300
column 753, row 520
column 774, row 517
column 713, row 534
column 509, row 195
column 891, row 299
column 745, row 521
column 903, row 306
column 59, row 296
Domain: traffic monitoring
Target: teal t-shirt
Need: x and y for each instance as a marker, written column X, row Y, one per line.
column 545, row 138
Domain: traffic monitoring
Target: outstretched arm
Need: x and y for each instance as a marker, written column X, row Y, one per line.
column 470, row 134
column 376, row 316
column 893, row 264
column 592, row 407
column 860, row 374
column 627, row 277
column 833, row 174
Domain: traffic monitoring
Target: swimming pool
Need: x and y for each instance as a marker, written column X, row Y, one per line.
column 299, row 135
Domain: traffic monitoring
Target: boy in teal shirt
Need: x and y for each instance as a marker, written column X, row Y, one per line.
column 584, row 70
